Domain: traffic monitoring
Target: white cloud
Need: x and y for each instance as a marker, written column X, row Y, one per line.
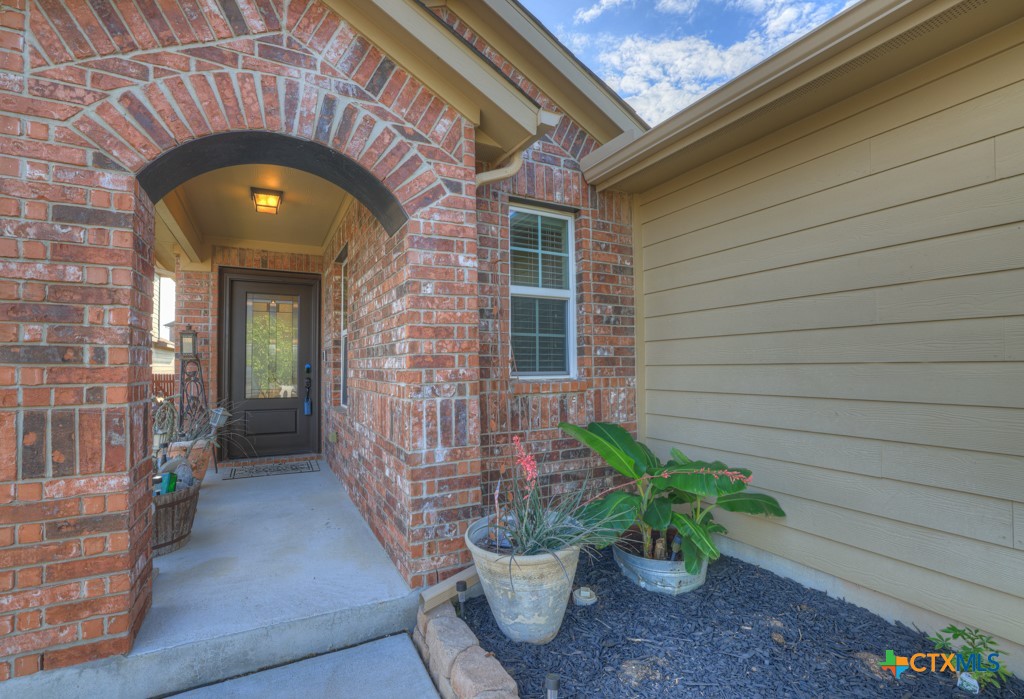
column 577, row 42
column 591, row 13
column 660, row 76
column 679, row 7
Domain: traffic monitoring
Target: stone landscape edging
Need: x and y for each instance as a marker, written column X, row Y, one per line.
column 459, row 667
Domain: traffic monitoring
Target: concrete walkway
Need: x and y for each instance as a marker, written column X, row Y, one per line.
column 279, row 568
column 384, row 669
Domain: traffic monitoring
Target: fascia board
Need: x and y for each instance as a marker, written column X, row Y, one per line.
column 418, row 41
column 554, row 69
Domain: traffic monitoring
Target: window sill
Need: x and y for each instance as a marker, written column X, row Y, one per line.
column 526, row 385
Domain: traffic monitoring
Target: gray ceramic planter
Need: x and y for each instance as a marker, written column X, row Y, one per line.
column 528, row 594
column 665, row 577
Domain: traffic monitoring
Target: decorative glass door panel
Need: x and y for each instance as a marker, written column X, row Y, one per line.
column 271, row 346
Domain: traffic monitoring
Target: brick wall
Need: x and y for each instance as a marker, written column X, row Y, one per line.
column 88, row 98
column 359, row 439
column 605, row 387
column 407, row 442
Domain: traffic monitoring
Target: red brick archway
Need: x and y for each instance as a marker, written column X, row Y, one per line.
column 100, row 96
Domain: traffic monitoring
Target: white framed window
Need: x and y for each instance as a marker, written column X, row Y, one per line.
column 543, row 293
column 343, row 319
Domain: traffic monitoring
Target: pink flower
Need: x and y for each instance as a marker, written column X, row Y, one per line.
column 526, row 462
column 731, row 475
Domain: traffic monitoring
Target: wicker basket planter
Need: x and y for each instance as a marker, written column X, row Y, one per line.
column 175, row 513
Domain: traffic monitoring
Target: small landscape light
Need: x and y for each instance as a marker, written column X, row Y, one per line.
column 266, row 201
column 460, row 587
column 218, row 417
column 584, row 597
column 552, row 685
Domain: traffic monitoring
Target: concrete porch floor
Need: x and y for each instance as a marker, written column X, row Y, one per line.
column 279, row 568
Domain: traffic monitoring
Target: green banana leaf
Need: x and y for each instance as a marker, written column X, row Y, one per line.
column 611, row 515
column 659, row 514
column 679, row 456
column 605, row 444
column 697, row 533
column 692, row 557
column 642, row 456
column 751, row 504
column 686, row 478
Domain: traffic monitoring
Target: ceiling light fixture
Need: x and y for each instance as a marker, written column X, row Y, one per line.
column 266, row 201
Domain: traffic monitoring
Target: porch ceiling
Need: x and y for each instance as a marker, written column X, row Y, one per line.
column 215, row 209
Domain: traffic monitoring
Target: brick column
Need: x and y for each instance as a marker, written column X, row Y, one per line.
column 74, row 518
column 442, row 390
column 443, row 376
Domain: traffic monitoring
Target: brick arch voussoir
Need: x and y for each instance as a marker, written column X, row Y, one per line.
column 309, row 75
column 136, row 125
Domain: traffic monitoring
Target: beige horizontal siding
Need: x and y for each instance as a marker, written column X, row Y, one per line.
column 974, row 517
column 983, row 473
column 840, row 307
column 937, row 591
column 950, row 383
column 978, row 208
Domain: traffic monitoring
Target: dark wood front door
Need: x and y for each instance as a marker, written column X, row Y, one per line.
column 269, row 369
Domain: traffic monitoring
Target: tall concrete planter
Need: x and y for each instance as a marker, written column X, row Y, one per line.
column 527, row 595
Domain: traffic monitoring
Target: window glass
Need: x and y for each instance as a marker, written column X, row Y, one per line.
column 541, row 309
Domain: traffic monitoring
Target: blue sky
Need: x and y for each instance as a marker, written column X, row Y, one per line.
column 662, row 55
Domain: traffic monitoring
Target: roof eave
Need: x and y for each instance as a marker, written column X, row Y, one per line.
column 412, row 36
column 521, row 38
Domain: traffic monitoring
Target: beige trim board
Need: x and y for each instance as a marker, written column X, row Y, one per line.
column 640, row 317
column 521, row 39
column 417, row 40
column 267, row 245
column 187, row 265
column 889, row 608
column 173, row 211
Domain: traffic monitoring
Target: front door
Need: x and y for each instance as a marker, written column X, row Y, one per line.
column 269, row 371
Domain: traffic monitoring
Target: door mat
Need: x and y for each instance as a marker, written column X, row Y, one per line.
column 273, row 470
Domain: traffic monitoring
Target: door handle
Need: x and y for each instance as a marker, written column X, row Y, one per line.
column 307, row 404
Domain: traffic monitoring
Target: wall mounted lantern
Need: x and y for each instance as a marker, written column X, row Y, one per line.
column 266, row 201
column 187, row 342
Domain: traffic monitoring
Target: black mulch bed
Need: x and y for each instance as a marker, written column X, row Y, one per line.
column 746, row 633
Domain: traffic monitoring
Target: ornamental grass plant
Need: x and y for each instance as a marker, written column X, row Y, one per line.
column 526, row 523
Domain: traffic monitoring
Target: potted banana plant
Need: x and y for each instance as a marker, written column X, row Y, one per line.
column 666, row 518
